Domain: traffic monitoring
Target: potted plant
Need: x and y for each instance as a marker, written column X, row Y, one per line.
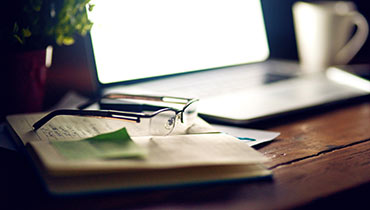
column 30, row 29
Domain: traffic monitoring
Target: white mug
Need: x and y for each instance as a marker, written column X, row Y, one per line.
column 324, row 33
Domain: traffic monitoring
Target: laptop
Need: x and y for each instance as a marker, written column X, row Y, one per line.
column 216, row 51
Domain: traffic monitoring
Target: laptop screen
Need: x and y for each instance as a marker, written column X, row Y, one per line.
column 136, row 39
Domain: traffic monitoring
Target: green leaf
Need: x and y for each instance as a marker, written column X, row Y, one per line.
column 18, row 38
column 91, row 7
column 36, row 5
column 16, row 27
column 26, row 32
column 68, row 41
column 59, row 40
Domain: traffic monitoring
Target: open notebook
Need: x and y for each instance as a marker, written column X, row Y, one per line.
column 213, row 50
column 196, row 155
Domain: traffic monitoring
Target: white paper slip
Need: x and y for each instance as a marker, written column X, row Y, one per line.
column 252, row 137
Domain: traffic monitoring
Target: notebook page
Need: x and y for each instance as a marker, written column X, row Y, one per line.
column 75, row 128
column 190, row 149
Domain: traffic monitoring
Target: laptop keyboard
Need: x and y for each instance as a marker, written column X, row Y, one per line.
column 258, row 84
column 220, row 81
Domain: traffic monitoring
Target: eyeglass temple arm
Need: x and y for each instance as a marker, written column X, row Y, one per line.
column 129, row 96
column 121, row 96
column 91, row 113
column 167, row 99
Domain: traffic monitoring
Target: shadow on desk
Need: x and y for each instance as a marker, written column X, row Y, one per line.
column 357, row 198
column 23, row 189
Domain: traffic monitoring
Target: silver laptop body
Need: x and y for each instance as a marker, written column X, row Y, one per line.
column 216, row 51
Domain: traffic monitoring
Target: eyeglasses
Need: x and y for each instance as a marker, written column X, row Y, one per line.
column 161, row 121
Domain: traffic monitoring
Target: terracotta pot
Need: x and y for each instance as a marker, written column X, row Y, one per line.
column 25, row 80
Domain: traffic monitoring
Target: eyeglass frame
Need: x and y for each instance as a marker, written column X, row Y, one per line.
column 125, row 115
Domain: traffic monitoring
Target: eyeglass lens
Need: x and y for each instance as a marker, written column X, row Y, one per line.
column 163, row 123
column 190, row 113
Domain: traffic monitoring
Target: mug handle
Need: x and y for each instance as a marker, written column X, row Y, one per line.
column 356, row 42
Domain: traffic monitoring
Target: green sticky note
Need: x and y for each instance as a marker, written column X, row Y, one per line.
column 117, row 144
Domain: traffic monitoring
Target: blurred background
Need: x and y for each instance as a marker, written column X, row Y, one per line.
column 70, row 67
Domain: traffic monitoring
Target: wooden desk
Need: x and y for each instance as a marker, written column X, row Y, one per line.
column 318, row 161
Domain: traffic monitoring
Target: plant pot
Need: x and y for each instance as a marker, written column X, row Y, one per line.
column 25, row 77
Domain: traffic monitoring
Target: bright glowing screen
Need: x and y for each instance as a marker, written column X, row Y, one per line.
column 135, row 39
